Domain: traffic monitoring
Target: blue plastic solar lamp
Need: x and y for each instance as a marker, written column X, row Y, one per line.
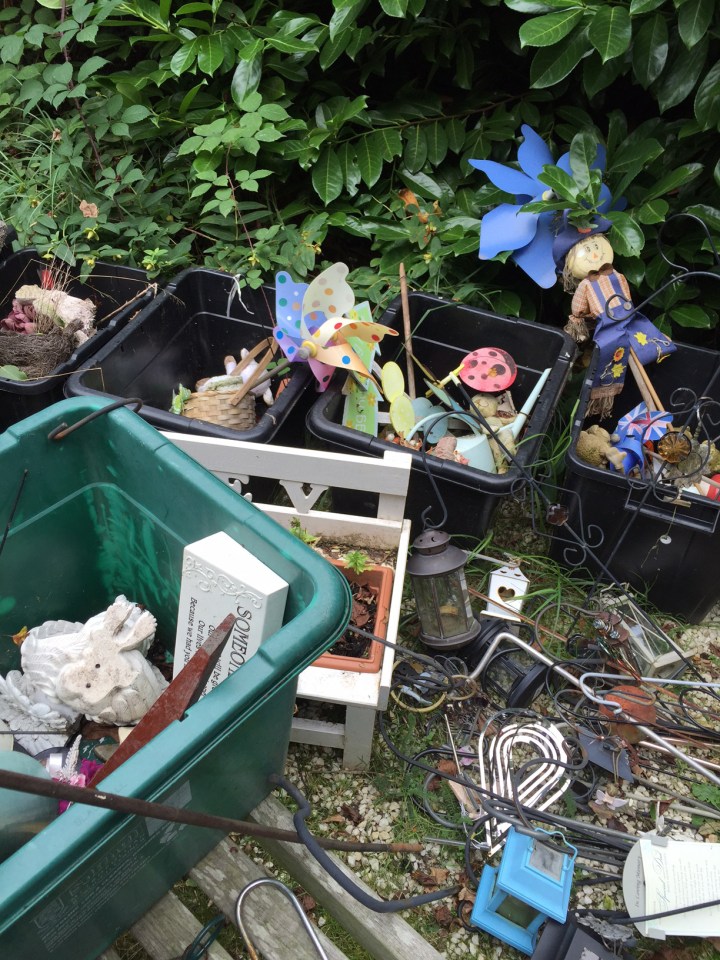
column 531, row 885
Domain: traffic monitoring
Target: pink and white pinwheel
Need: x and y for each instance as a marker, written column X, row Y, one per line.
column 316, row 323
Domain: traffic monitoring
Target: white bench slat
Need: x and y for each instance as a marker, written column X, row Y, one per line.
column 273, row 925
column 169, row 928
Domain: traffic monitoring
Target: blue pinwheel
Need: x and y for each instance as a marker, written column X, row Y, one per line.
column 529, row 236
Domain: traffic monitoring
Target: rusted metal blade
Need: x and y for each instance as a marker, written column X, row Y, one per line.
column 181, row 694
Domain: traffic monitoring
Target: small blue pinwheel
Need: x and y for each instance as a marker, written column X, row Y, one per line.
column 529, row 236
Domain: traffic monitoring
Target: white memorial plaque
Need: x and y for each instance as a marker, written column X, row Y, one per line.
column 219, row 577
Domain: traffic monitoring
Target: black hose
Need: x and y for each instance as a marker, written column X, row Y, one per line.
column 372, row 903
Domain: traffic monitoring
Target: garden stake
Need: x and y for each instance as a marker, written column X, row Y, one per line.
column 408, row 332
column 153, row 810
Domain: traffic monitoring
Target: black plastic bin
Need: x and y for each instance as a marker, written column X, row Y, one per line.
column 443, row 333
column 183, row 336
column 670, row 550
column 118, row 292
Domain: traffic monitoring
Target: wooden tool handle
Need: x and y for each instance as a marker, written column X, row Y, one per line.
column 647, row 390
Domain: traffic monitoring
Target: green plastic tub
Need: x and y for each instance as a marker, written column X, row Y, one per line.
column 108, row 510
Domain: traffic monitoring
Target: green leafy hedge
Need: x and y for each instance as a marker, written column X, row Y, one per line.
column 282, row 134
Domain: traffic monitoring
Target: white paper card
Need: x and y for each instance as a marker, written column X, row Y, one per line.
column 220, row 577
column 665, row 875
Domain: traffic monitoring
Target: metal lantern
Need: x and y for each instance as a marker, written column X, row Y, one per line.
column 437, row 571
column 513, row 677
column 531, row 885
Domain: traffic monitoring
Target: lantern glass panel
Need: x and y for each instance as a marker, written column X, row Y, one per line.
column 427, row 609
column 451, row 600
column 516, row 911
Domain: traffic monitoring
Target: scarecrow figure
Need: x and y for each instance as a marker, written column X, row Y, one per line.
column 543, row 244
column 601, row 297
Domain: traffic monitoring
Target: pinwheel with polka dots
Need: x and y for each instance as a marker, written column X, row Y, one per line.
column 317, row 322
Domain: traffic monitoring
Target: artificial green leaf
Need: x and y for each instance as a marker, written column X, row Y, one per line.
column 210, row 53
column 679, row 78
column 707, row 99
column 548, row 30
column 676, row 178
column 327, row 176
column 693, row 20
column 559, row 181
column 246, row 79
column 583, row 151
column 135, row 113
column 10, row 372
column 644, row 6
column 610, row 31
column 626, row 236
column 370, row 158
column 415, row 153
column 650, row 50
column 550, row 65
column 437, row 145
column 654, row 211
column 688, row 315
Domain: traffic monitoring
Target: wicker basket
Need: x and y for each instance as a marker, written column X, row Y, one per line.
column 214, row 406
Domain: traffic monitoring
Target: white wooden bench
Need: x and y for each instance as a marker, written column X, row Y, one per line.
column 167, row 929
column 306, row 475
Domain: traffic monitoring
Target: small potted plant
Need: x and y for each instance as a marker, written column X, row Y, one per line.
column 371, row 585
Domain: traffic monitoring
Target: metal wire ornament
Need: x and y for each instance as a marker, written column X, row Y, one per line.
column 272, row 882
column 541, row 788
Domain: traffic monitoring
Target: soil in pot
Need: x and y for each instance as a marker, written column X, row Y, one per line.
column 371, row 590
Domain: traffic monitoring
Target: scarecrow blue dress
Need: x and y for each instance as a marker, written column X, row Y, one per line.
column 603, row 297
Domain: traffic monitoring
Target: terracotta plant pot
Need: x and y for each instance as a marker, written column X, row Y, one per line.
column 380, row 579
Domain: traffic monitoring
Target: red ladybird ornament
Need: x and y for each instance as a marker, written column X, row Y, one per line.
column 488, row 370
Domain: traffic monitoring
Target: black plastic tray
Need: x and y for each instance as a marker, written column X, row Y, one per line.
column 183, row 336
column 443, row 333
column 666, row 549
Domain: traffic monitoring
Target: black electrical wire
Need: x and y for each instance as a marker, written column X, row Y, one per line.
column 623, row 919
column 372, row 903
